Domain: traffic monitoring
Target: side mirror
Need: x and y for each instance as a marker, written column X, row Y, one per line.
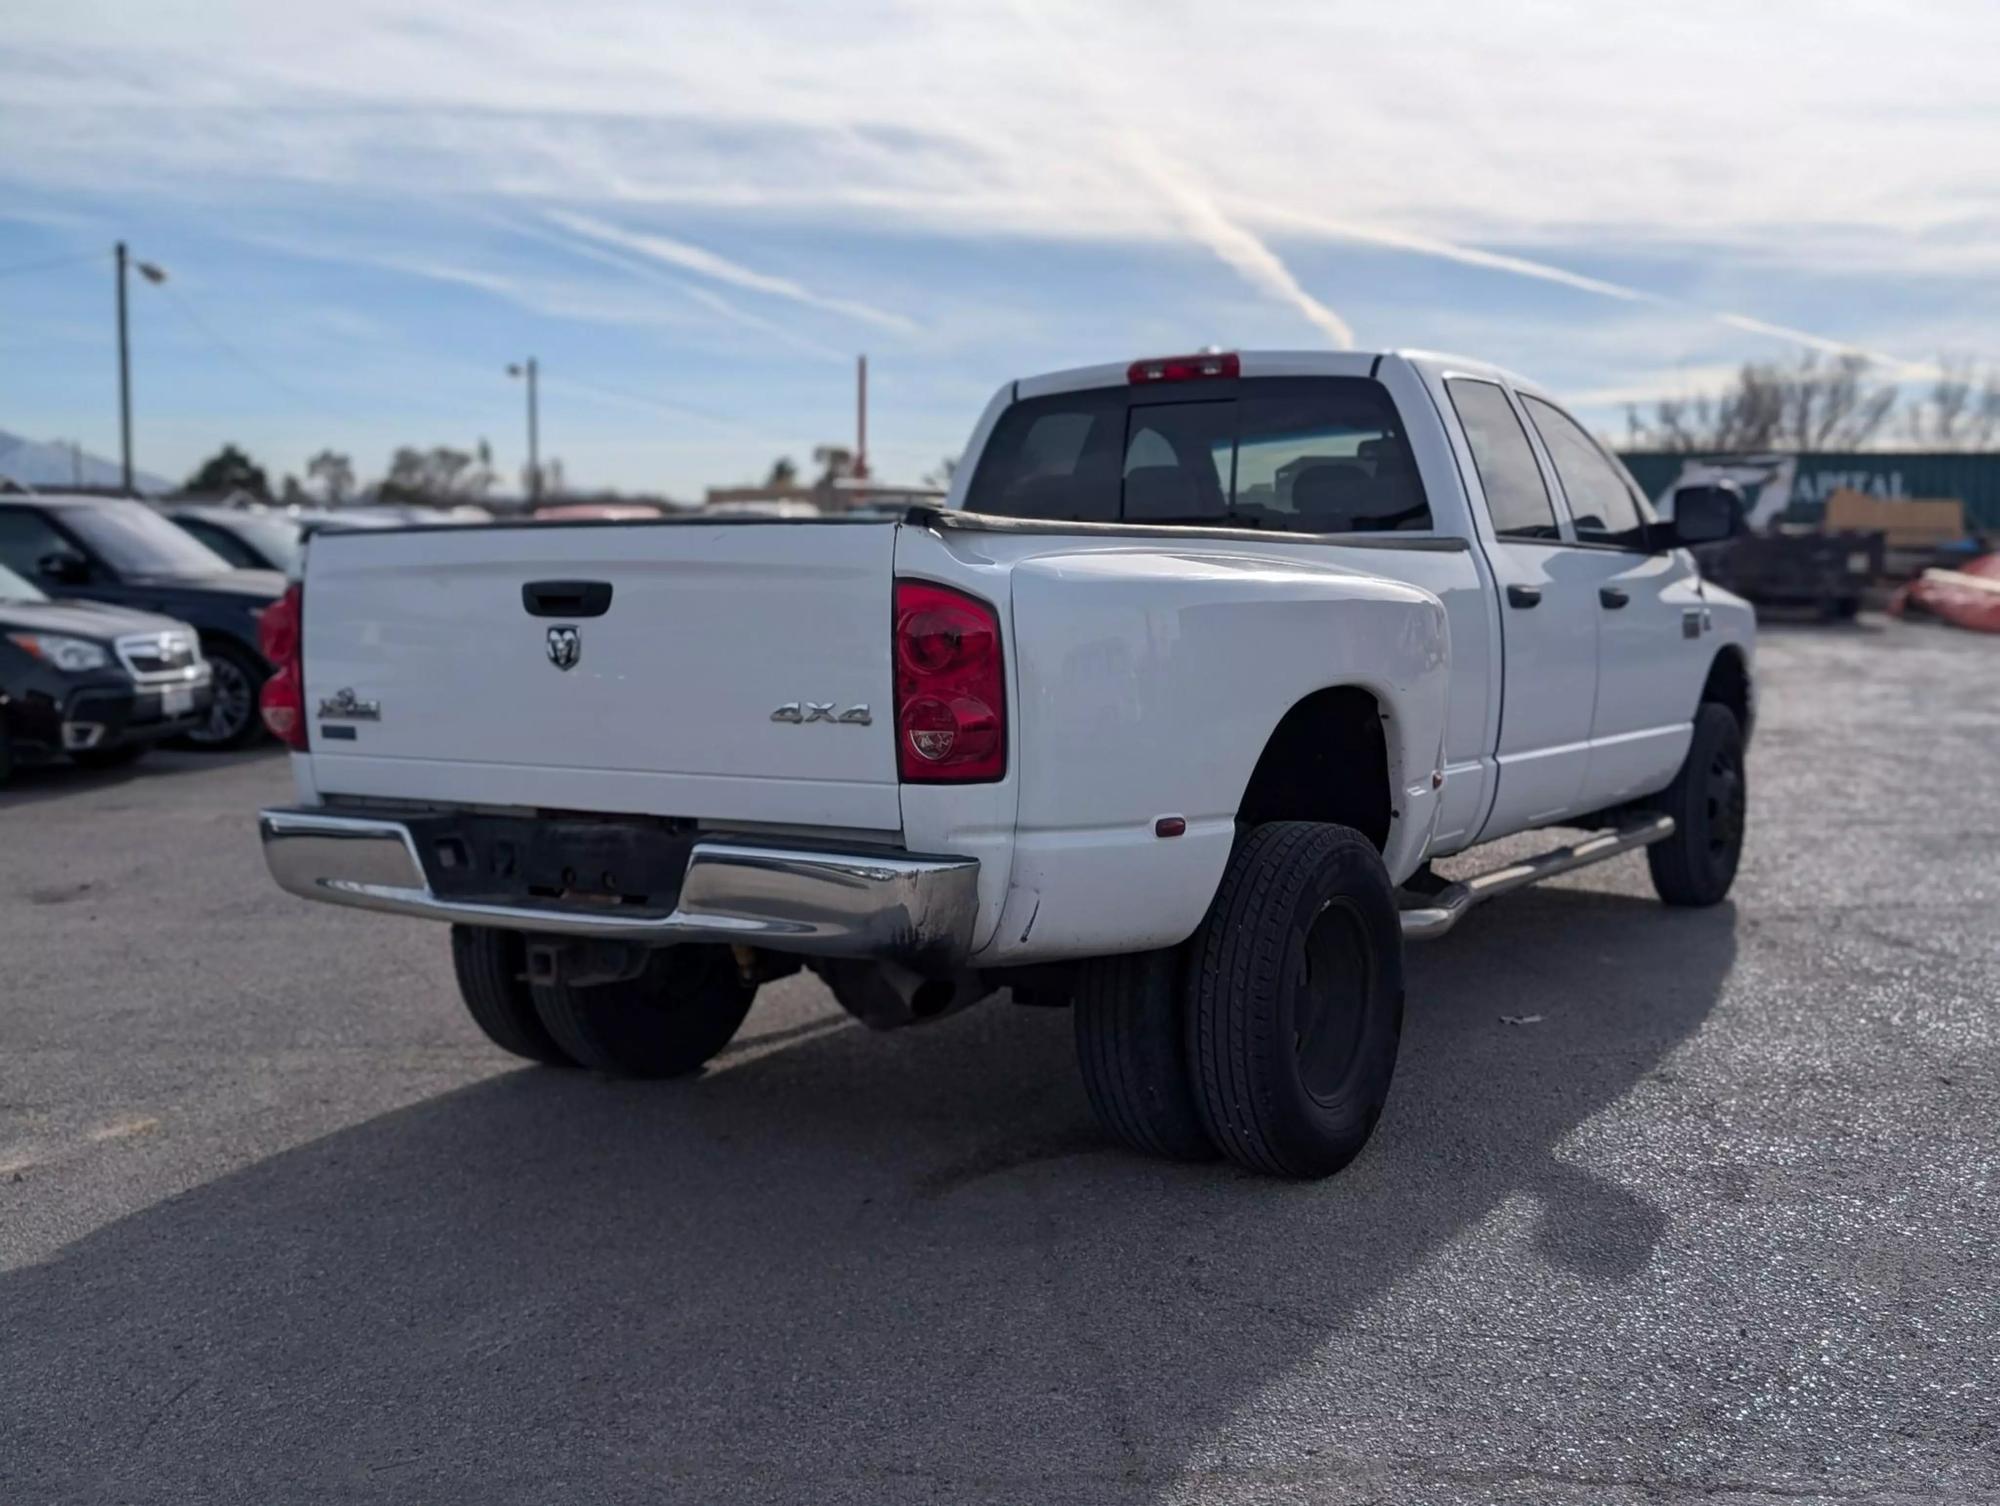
column 64, row 568
column 1707, row 514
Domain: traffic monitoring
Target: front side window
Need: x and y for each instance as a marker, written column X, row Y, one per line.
column 1517, row 499
column 1601, row 503
column 1300, row 454
column 27, row 538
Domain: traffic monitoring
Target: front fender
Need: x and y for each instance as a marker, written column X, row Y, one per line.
column 1150, row 681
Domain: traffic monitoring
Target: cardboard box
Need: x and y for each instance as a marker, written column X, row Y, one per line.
column 1909, row 522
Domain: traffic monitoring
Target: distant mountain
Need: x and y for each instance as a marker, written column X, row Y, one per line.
column 55, row 464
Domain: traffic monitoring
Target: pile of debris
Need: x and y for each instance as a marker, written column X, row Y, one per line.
column 1967, row 598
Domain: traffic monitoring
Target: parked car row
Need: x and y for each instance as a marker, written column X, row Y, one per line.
column 119, row 629
column 127, row 623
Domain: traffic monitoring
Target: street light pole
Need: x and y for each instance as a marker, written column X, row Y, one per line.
column 151, row 273
column 534, row 435
column 124, row 379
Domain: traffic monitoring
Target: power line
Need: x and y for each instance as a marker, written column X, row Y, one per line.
column 643, row 400
column 46, row 262
column 236, row 353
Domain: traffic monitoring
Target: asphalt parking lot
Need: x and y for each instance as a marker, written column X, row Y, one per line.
column 277, row 1226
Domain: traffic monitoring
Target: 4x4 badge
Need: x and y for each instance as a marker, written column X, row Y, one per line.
column 822, row 711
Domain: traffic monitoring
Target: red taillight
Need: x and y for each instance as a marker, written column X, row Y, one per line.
column 1208, row 367
column 282, row 702
column 951, row 698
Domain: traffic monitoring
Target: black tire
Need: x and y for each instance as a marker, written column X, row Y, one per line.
column 233, row 720
column 1295, row 999
column 1709, row 802
column 6, row 753
column 110, row 758
column 1131, row 1044
column 492, row 980
column 666, row 1022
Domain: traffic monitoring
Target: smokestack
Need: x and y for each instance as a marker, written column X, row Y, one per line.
column 861, row 418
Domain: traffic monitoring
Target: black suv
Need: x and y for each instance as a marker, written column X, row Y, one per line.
column 125, row 554
column 102, row 684
column 259, row 540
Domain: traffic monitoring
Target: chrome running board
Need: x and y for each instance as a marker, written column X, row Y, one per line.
column 1430, row 915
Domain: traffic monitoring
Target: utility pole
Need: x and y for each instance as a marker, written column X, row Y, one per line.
column 534, row 432
column 152, row 274
column 124, row 378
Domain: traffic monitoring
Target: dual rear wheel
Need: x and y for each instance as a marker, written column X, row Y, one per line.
column 669, row 1021
column 1271, row 1035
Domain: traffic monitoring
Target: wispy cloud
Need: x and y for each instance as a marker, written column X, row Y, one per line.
column 1250, row 258
column 1897, row 366
column 1682, row 381
column 704, row 263
column 1194, row 208
column 1521, row 266
column 1427, row 245
column 706, row 297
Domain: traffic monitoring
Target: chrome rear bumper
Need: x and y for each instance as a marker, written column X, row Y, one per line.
column 829, row 904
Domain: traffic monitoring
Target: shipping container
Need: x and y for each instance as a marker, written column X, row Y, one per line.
column 1972, row 477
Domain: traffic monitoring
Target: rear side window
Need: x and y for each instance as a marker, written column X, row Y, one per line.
column 1517, row 499
column 1305, row 454
column 1601, row 504
column 220, row 540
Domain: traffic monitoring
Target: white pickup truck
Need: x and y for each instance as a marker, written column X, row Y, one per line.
column 1164, row 714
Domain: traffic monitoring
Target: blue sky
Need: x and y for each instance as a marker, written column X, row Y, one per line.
column 695, row 217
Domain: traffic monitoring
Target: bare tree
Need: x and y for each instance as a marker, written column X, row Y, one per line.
column 1832, row 407
column 783, row 473
column 1813, row 405
column 1960, row 412
column 335, row 474
column 440, row 475
column 836, row 463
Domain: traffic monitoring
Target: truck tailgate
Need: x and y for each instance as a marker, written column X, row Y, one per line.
column 493, row 680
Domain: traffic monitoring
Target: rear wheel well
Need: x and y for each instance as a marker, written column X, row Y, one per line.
column 1328, row 760
column 1728, row 685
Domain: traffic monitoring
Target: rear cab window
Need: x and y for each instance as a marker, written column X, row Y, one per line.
column 1297, row 454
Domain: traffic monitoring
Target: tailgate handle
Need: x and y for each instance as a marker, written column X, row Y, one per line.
column 566, row 598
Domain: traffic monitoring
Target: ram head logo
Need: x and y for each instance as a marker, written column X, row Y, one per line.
column 565, row 647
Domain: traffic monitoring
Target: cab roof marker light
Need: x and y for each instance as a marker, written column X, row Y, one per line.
column 1203, row 366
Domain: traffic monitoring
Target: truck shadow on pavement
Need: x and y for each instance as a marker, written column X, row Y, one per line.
column 844, row 1268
